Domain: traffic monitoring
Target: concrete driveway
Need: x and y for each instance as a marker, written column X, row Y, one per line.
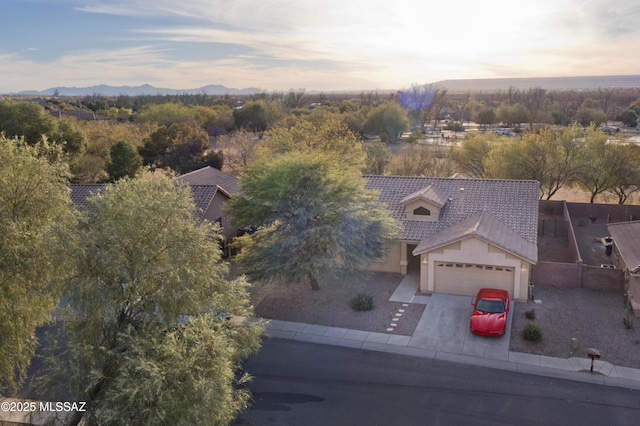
column 444, row 327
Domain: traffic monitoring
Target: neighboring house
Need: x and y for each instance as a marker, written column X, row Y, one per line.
column 462, row 234
column 226, row 185
column 626, row 243
column 210, row 187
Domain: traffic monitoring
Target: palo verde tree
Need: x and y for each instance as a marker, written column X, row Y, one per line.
column 315, row 220
column 34, row 213
column 469, row 157
column 627, row 170
column 328, row 135
column 378, row 157
column 151, row 335
column 553, row 158
column 606, row 165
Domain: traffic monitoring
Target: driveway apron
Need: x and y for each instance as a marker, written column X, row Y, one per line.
column 444, row 327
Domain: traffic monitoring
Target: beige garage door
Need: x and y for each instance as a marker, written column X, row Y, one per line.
column 467, row 279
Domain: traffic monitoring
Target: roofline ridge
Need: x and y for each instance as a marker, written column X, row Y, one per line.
column 193, row 171
column 466, row 179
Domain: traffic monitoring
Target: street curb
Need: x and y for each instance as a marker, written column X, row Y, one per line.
column 577, row 369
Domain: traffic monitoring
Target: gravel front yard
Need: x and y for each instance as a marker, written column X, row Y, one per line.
column 331, row 305
column 594, row 318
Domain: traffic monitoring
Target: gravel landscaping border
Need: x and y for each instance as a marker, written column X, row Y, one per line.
column 594, row 318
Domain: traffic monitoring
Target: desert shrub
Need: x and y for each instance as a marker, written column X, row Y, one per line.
column 454, row 126
column 362, row 302
column 530, row 314
column 531, row 332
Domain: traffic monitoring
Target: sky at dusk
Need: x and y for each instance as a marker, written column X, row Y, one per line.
column 316, row 45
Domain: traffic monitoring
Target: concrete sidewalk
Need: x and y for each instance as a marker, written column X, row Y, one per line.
column 443, row 333
column 571, row 369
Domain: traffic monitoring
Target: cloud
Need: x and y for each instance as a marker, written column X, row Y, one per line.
column 610, row 19
column 278, row 44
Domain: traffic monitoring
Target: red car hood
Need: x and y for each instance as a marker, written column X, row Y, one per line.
column 485, row 323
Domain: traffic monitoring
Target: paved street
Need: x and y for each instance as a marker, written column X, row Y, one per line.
column 298, row 383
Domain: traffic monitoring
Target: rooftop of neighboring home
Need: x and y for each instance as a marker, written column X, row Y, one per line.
column 626, row 236
column 511, row 208
column 204, row 182
column 211, row 176
column 202, row 195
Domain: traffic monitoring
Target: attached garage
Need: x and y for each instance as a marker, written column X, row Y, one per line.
column 477, row 252
column 466, row 278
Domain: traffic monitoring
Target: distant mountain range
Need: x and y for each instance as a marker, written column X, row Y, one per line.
column 460, row 85
column 549, row 83
column 145, row 89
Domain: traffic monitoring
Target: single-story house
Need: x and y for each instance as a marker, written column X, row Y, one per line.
column 210, row 188
column 626, row 252
column 462, row 234
column 225, row 186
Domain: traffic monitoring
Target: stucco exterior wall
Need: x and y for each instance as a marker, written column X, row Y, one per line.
column 214, row 212
column 475, row 251
column 433, row 209
column 392, row 262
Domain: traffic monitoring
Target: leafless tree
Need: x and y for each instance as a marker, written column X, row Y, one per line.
column 568, row 103
column 370, row 98
column 239, row 150
column 605, row 100
column 534, row 100
column 461, row 106
column 440, row 100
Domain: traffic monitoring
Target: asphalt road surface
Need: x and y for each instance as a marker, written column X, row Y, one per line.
column 297, row 383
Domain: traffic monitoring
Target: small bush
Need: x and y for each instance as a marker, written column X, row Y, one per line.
column 454, row 126
column 362, row 302
column 530, row 314
column 531, row 332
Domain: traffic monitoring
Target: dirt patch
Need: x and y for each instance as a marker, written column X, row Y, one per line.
column 554, row 250
column 331, row 306
column 593, row 317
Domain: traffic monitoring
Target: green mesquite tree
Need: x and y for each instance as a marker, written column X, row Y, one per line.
column 315, row 220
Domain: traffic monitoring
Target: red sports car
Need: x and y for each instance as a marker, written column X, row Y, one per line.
column 489, row 317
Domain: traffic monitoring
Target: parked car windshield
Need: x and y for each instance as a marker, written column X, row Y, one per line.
column 490, row 306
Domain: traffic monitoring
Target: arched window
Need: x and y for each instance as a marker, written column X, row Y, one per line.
column 421, row 211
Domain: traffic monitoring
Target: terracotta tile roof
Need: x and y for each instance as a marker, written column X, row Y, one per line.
column 514, row 203
column 486, row 227
column 626, row 237
column 210, row 176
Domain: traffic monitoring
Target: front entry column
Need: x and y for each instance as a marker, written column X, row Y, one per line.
column 403, row 258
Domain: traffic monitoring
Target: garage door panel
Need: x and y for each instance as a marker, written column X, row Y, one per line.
column 467, row 279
